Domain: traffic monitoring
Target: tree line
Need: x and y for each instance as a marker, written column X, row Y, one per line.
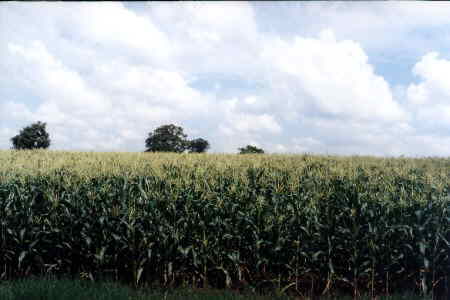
column 166, row 138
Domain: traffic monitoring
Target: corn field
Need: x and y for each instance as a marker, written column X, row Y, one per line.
column 297, row 224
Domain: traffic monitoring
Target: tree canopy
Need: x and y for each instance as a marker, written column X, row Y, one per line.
column 166, row 138
column 250, row 149
column 198, row 145
column 171, row 138
column 33, row 136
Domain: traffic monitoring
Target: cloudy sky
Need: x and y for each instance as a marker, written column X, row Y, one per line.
column 290, row 77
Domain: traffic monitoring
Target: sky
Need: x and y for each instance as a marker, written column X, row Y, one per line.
column 346, row 78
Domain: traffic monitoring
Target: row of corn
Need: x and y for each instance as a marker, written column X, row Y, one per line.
column 296, row 224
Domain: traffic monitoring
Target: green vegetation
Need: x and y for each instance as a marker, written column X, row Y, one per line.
column 32, row 289
column 34, row 136
column 289, row 224
column 171, row 138
column 85, row 290
column 249, row 149
column 198, row 145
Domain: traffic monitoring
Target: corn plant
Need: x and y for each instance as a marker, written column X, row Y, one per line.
column 295, row 224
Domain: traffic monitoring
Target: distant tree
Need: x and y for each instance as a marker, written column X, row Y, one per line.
column 166, row 138
column 250, row 149
column 33, row 136
column 198, row 145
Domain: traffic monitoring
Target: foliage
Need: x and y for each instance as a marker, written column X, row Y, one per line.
column 33, row 136
column 64, row 289
column 298, row 225
column 166, row 138
column 249, row 149
column 198, row 145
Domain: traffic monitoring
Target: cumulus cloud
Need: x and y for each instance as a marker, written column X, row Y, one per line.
column 210, row 37
column 411, row 27
column 123, row 97
column 334, row 77
column 102, row 75
column 429, row 99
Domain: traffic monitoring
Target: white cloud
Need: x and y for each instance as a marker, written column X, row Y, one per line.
column 210, row 37
column 307, row 144
column 404, row 29
column 133, row 100
column 5, row 135
column 52, row 80
column 112, row 28
column 334, row 77
column 102, row 76
column 10, row 110
column 430, row 98
column 249, row 123
column 245, row 122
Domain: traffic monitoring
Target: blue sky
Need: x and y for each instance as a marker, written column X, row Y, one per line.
column 290, row 77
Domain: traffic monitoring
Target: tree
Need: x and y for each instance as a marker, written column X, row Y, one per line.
column 33, row 136
column 250, row 149
column 198, row 145
column 166, row 138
